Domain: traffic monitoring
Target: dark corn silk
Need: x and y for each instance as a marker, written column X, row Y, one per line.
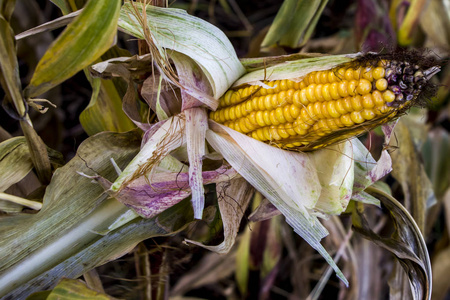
column 326, row 107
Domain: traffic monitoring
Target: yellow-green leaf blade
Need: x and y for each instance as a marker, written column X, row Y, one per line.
column 81, row 43
column 104, row 112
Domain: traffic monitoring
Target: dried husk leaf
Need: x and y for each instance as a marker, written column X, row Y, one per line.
column 196, row 125
column 265, row 169
column 233, row 197
column 167, row 138
column 204, row 43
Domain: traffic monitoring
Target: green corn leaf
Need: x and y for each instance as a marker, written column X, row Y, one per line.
column 294, row 23
column 104, row 112
column 7, row 8
column 9, row 77
column 75, row 290
column 64, row 218
column 80, row 44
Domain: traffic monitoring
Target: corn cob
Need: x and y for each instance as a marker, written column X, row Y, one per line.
column 325, row 107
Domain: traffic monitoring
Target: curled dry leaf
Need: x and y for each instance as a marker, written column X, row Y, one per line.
column 406, row 243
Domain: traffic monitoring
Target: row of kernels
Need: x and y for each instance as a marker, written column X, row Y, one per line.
column 277, row 86
column 233, row 97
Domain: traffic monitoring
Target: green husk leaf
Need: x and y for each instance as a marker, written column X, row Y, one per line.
column 204, row 43
column 294, row 69
column 81, row 43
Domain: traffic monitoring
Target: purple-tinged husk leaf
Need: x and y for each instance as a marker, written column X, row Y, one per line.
column 233, row 197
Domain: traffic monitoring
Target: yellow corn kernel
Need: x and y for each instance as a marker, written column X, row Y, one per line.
column 334, row 91
column 294, row 110
column 356, row 103
column 368, row 114
column 356, row 117
column 331, row 124
column 340, row 74
column 290, row 84
column 352, row 87
column 347, row 102
column 331, row 76
column 252, row 118
column 282, row 132
column 226, row 100
column 378, row 73
column 323, row 77
column 377, row 98
column 310, row 92
column 324, row 110
column 289, row 95
column 342, row 89
column 260, row 119
column 367, row 101
column 266, row 133
column 364, row 86
column 326, row 92
column 340, row 107
column 260, row 134
column 318, row 110
column 287, row 113
column 367, row 73
column 274, row 133
column 388, row 96
column 231, row 113
column 266, row 117
column 346, row 120
column 381, row 84
column 290, row 129
column 318, row 92
column 299, row 130
column 273, row 118
column 237, row 111
column 348, row 74
column 279, row 115
column 317, row 78
column 276, row 100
